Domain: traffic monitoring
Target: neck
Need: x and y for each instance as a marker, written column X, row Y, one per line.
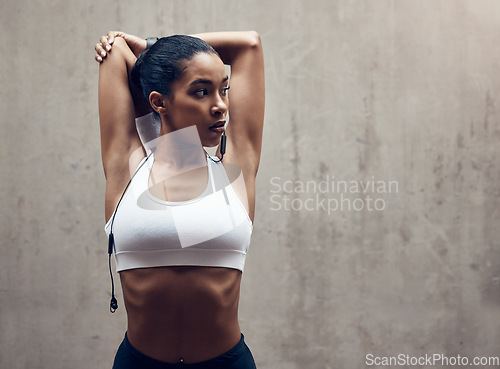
column 181, row 149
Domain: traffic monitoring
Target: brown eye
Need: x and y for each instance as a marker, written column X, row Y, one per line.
column 201, row 92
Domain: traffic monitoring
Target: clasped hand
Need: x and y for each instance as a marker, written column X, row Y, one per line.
column 104, row 46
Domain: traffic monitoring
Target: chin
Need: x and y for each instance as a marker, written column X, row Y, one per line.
column 210, row 145
column 211, row 142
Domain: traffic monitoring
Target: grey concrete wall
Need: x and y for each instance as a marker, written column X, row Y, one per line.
column 400, row 96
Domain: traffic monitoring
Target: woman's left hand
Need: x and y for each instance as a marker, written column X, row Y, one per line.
column 136, row 44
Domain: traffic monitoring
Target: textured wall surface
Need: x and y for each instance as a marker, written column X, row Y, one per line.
column 377, row 225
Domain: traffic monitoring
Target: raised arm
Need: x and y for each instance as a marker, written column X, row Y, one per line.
column 117, row 112
column 243, row 52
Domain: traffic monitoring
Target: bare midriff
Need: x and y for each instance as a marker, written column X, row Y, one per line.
column 182, row 313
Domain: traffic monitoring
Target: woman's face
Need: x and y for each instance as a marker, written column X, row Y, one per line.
column 199, row 97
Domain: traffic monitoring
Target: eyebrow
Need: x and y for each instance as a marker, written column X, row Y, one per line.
column 206, row 81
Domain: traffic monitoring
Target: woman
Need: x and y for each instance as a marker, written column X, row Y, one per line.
column 180, row 248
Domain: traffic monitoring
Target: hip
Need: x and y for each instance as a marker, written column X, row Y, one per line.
column 238, row 357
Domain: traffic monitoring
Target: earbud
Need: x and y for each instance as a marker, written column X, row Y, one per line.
column 223, row 143
column 111, row 243
column 113, row 304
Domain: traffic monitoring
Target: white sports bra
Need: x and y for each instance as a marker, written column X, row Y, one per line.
column 213, row 229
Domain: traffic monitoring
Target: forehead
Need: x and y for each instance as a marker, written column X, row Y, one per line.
column 203, row 66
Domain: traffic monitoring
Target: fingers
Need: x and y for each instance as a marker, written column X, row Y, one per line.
column 111, row 37
column 105, row 43
column 114, row 34
column 102, row 48
column 97, row 56
column 100, row 53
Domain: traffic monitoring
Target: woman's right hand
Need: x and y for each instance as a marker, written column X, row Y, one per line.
column 136, row 44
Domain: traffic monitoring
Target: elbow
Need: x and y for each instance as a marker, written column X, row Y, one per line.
column 120, row 43
column 253, row 40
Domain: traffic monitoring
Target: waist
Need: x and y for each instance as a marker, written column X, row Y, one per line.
column 224, row 359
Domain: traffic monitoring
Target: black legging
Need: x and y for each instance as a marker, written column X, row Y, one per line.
column 239, row 357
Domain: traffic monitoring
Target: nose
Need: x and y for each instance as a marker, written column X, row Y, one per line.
column 219, row 108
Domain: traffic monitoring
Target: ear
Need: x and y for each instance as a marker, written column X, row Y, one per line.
column 156, row 100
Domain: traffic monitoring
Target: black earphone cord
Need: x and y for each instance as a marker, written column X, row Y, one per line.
column 113, row 304
column 222, row 148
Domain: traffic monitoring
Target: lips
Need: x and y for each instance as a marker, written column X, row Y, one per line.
column 218, row 127
column 219, row 124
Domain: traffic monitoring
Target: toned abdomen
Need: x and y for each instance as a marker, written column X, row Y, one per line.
column 182, row 312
